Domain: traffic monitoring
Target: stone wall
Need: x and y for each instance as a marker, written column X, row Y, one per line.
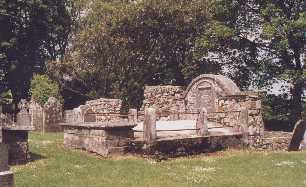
column 100, row 110
column 274, row 141
column 46, row 118
column 189, row 146
column 232, row 106
column 168, row 100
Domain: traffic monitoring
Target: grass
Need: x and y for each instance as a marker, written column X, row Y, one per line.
column 55, row 166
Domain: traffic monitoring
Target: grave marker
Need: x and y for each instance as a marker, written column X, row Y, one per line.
column 298, row 136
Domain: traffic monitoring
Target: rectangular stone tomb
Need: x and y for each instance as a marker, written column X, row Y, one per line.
column 103, row 138
column 17, row 141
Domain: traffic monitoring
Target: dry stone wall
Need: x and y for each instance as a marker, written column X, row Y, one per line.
column 168, row 100
column 100, row 110
column 232, row 106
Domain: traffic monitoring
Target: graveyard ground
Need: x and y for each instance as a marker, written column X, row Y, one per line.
column 54, row 166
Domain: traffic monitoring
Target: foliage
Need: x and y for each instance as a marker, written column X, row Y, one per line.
column 32, row 32
column 53, row 165
column 42, row 88
column 260, row 42
column 120, row 47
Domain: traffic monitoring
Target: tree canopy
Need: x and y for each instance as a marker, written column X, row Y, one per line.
column 32, row 32
column 120, row 47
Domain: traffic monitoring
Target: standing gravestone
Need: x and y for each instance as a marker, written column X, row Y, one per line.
column 298, row 136
column 23, row 116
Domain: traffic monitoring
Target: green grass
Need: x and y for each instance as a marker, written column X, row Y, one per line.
column 55, row 166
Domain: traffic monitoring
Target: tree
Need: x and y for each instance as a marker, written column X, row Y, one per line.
column 264, row 39
column 42, row 88
column 121, row 47
column 32, row 32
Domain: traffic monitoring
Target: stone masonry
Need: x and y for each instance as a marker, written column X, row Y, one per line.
column 100, row 110
column 219, row 95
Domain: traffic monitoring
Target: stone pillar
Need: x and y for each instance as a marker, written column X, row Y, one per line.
column 6, row 176
column 243, row 123
column 149, row 126
column 202, row 123
column 132, row 116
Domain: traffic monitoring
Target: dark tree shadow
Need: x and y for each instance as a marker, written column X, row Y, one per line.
column 35, row 157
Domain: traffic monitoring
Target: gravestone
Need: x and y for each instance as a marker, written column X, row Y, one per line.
column 298, row 136
column 23, row 116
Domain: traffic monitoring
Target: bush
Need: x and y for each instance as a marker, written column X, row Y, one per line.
column 42, row 88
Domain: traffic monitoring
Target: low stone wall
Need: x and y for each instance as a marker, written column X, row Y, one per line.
column 231, row 107
column 189, row 146
column 100, row 110
column 274, row 141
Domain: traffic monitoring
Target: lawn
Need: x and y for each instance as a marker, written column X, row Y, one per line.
column 53, row 165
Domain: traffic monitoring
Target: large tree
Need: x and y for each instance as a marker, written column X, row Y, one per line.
column 32, row 32
column 261, row 41
column 121, row 47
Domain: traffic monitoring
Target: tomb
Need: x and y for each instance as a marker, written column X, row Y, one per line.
column 211, row 113
column 15, row 134
column 219, row 95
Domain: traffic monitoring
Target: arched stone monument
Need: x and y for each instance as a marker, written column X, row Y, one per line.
column 205, row 90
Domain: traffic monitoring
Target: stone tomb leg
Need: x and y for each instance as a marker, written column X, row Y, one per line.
column 149, row 126
column 202, row 123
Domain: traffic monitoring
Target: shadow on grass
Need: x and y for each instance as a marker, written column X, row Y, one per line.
column 33, row 157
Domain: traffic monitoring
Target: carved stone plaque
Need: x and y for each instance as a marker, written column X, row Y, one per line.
column 206, row 96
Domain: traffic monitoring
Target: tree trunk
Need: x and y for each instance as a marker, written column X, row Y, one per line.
column 296, row 107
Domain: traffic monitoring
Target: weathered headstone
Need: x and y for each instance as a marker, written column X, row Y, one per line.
column 298, row 135
column 23, row 117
